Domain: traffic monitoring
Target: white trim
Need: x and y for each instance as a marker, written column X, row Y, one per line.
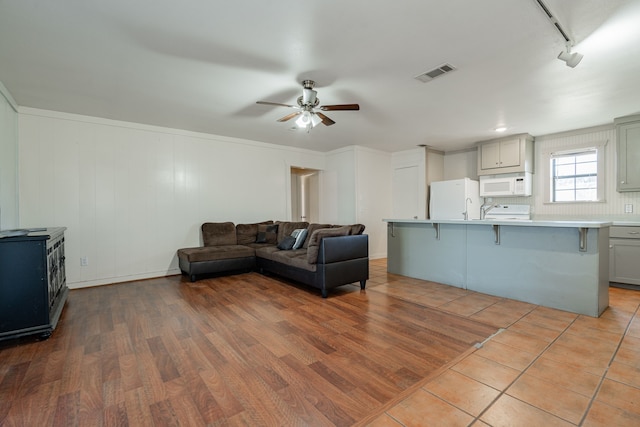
column 7, row 95
column 123, row 279
column 27, row 111
column 598, row 146
column 575, row 132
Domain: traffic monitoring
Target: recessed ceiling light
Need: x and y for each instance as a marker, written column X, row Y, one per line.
column 500, row 129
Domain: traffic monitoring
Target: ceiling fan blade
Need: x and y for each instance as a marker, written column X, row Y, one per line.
column 277, row 104
column 325, row 120
column 290, row 116
column 340, row 107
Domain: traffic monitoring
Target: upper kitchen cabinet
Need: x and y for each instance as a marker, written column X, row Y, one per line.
column 506, row 155
column 628, row 151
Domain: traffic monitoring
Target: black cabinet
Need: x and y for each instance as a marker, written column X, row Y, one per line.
column 33, row 287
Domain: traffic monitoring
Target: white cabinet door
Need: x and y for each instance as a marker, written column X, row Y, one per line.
column 510, row 153
column 490, row 154
column 623, row 261
column 406, row 193
column 501, row 154
column 628, row 148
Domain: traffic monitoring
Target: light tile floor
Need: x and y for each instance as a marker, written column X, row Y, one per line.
column 546, row 368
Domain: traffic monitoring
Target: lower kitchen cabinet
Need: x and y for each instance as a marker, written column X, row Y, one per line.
column 624, row 255
column 33, row 287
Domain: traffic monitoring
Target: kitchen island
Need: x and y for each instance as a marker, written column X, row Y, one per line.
column 558, row 264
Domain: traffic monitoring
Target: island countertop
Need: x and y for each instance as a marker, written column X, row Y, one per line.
column 556, row 263
column 511, row 222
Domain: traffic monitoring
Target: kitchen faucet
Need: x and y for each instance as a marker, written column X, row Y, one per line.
column 484, row 209
column 466, row 208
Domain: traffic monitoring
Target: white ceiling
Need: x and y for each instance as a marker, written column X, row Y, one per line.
column 201, row 65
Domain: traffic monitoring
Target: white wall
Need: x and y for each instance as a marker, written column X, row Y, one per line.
column 130, row 194
column 8, row 161
column 373, row 202
column 614, row 201
column 461, row 164
column 339, row 189
column 359, row 179
column 464, row 163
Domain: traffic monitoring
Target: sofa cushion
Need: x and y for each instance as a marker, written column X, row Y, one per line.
column 294, row 258
column 219, row 233
column 246, row 233
column 287, row 243
column 318, row 235
column 213, row 253
column 300, row 235
column 267, row 234
column 266, row 251
column 357, row 229
column 313, row 227
column 286, row 228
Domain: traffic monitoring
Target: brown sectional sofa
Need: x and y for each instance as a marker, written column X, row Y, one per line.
column 330, row 256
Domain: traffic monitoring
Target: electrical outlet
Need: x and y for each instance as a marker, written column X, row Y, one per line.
column 628, row 208
column 84, row 261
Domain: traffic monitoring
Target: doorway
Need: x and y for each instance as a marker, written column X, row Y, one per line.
column 305, row 190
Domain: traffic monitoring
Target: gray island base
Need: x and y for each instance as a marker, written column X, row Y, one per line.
column 557, row 264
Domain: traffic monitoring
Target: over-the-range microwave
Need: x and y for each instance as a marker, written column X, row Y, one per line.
column 508, row 185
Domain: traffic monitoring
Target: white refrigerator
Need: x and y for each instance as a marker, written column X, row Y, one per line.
column 451, row 199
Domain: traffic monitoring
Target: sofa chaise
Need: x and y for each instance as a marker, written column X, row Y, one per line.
column 323, row 256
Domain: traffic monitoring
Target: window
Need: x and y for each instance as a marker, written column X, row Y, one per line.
column 575, row 174
column 575, row 177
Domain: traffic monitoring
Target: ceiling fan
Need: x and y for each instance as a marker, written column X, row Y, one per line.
column 307, row 117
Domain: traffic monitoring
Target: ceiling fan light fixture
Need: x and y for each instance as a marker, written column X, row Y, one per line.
column 307, row 118
column 304, row 120
column 309, row 97
column 315, row 120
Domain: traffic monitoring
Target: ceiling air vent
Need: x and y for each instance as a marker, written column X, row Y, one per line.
column 436, row 72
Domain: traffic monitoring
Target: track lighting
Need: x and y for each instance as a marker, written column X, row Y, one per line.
column 571, row 59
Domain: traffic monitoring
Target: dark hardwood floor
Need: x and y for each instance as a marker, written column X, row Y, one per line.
column 237, row 350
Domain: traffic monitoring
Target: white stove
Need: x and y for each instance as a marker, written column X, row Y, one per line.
column 508, row 212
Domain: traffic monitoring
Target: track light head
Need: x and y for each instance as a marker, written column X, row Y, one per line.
column 571, row 59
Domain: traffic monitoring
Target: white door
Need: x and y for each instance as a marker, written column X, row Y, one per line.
column 405, row 193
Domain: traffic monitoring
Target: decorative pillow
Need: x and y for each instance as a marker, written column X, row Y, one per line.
column 285, row 228
column 313, row 227
column 300, row 234
column 247, row 232
column 287, row 243
column 318, row 235
column 267, row 233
